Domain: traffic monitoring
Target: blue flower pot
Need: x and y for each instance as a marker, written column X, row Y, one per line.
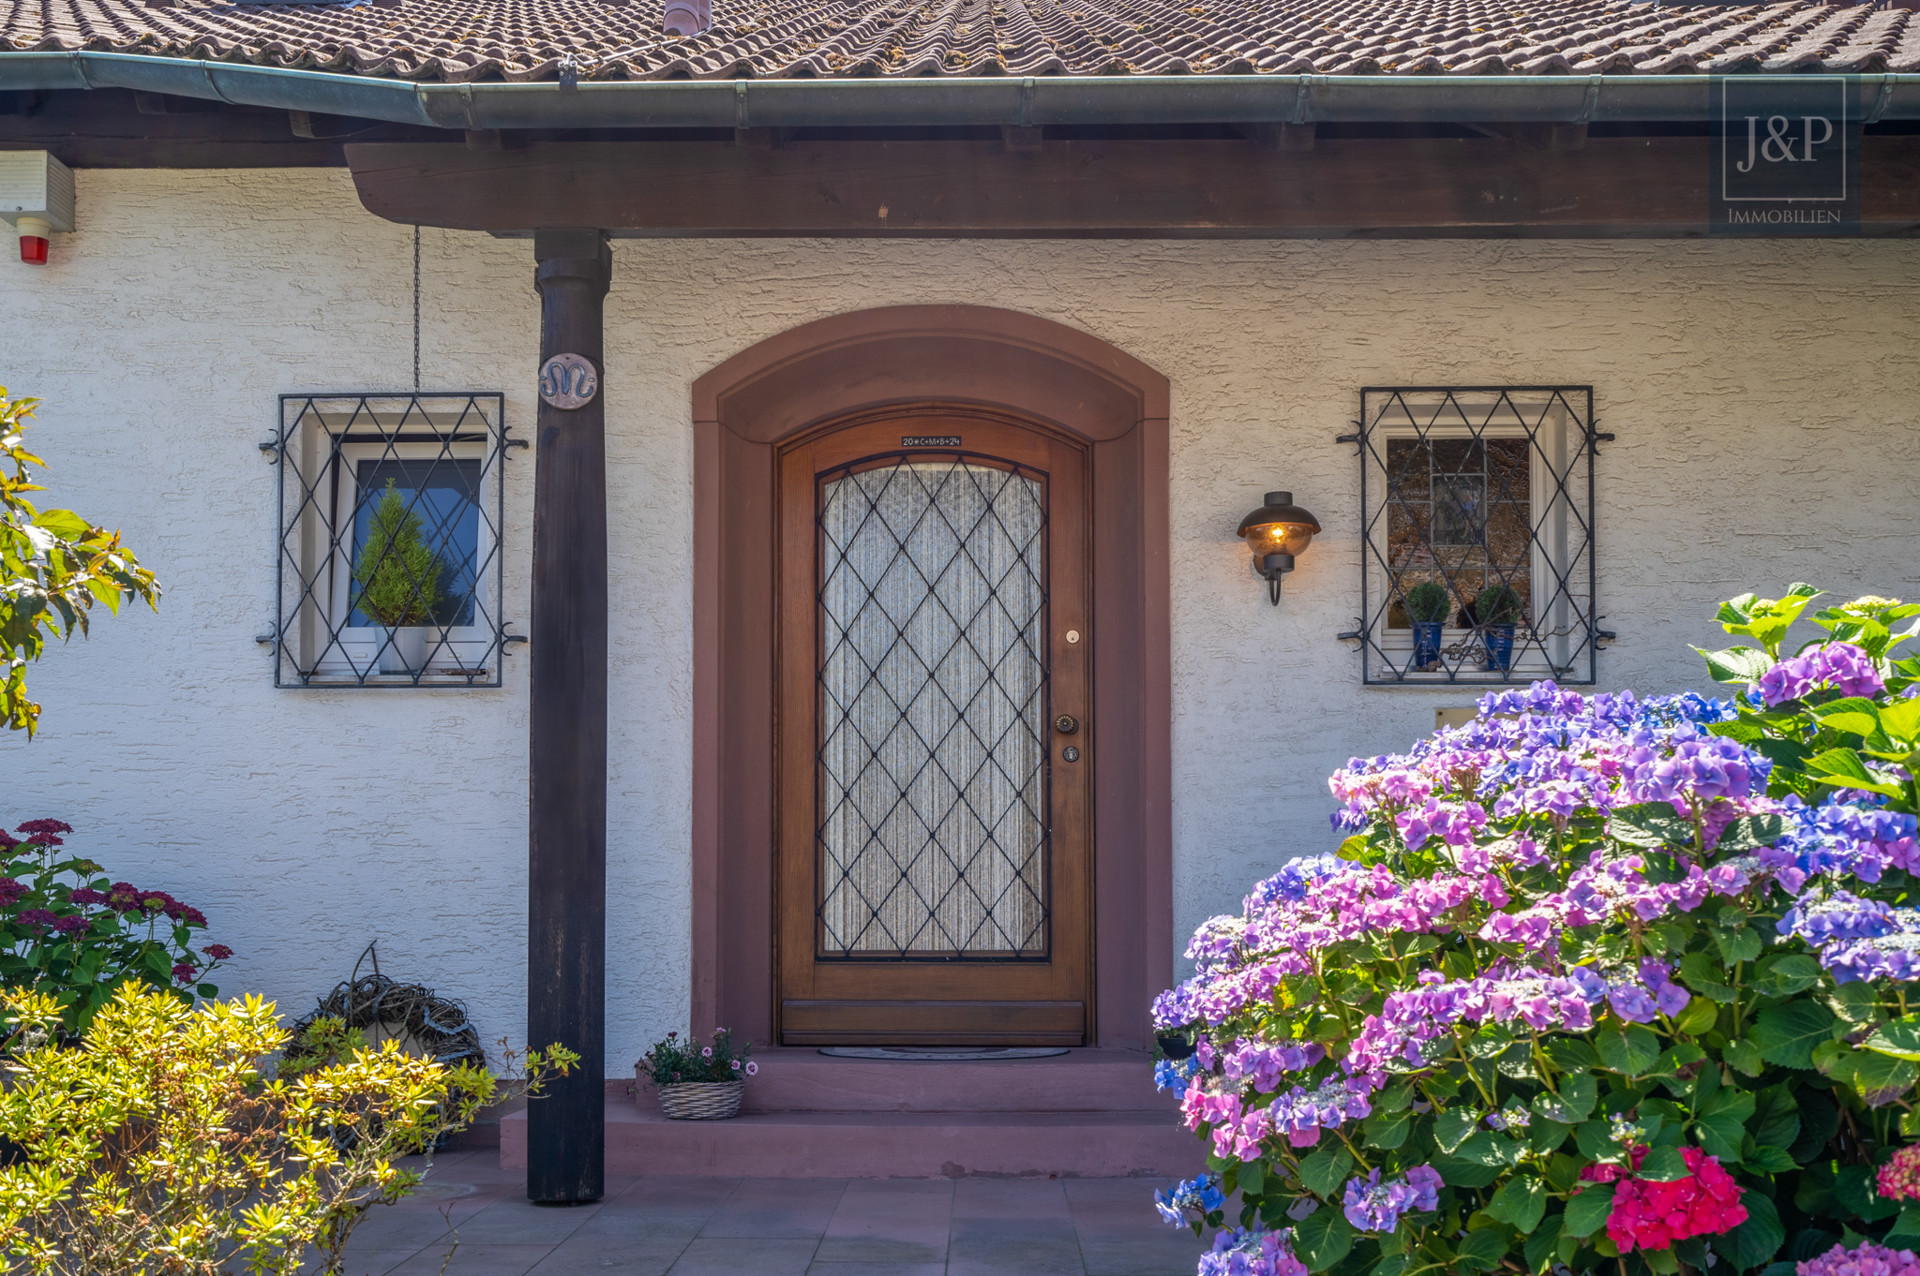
column 1499, row 640
column 1426, row 643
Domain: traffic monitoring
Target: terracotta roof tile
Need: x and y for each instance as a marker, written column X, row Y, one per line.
column 463, row 40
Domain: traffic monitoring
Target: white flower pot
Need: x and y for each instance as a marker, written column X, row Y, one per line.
column 403, row 650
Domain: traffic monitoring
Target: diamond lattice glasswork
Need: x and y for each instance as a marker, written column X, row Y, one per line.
column 389, row 562
column 933, row 703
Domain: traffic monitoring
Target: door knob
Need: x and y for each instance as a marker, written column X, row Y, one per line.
column 1066, row 724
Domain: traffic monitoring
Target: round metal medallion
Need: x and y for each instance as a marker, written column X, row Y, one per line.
column 568, row 381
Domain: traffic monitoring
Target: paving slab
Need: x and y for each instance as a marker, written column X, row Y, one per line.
column 724, row 1226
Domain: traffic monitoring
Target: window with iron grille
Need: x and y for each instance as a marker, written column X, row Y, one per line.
column 390, row 559
column 1477, row 564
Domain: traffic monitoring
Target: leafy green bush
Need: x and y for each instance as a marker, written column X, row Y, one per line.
column 54, row 566
column 160, row 1145
column 1595, row 983
column 69, row 931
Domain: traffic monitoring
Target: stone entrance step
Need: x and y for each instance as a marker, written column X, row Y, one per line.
column 888, row 1144
column 1086, row 1114
column 803, row 1080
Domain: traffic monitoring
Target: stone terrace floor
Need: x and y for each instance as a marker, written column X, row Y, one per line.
column 656, row 1226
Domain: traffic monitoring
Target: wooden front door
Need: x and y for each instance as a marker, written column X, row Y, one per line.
column 934, row 758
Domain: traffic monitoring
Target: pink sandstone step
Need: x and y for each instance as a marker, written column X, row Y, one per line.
column 804, row 1080
column 1088, row 1113
column 888, row 1144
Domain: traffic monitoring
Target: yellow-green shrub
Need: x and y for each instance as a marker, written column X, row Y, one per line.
column 160, row 1145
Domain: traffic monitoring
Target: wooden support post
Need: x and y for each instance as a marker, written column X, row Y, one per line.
column 567, row 712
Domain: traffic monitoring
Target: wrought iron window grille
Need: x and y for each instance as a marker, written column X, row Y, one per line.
column 932, row 763
column 1479, row 490
column 389, row 563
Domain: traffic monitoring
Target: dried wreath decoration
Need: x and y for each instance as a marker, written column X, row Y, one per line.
column 421, row 1020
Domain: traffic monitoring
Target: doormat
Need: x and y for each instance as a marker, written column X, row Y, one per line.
column 942, row 1054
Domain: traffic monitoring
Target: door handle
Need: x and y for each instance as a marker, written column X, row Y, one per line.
column 1066, row 724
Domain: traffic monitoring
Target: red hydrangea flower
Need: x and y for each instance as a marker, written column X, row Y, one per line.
column 45, row 832
column 1649, row 1215
column 185, row 971
column 37, row 918
column 219, row 952
column 11, row 891
column 86, row 895
column 1899, row 1178
column 123, row 897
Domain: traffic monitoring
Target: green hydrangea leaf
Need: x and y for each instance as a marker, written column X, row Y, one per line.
column 1521, row 1201
column 1483, row 1250
column 1906, row 1226
column 1744, row 1057
column 1326, row 1169
column 1632, row 1051
column 1843, row 768
column 1736, row 664
column 1663, row 1165
column 1776, row 1117
column 1784, row 974
column 1322, row 1238
column 1767, row 1159
column 1541, row 1242
column 1853, row 1187
column 1756, row 1241
column 1663, row 1261
column 1452, row 1127
column 1787, row 1033
column 1570, row 1054
column 1588, row 1208
column 1901, row 1038
column 1651, row 824
column 1387, row 1130
column 1901, row 719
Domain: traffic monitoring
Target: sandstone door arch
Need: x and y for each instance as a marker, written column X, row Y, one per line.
column 923, row 365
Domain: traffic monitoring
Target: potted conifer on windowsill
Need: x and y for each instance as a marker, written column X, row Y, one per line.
column 1496, row 610
column 1428, row 605
column 397, row 576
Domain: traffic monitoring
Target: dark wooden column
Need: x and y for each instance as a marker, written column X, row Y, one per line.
column 567, row 816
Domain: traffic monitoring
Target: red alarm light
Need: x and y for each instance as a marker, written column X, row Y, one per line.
column 33, row 240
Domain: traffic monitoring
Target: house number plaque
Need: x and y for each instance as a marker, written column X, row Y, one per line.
column 568, row 381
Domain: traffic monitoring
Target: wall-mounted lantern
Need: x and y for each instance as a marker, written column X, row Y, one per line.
column 1277, row 532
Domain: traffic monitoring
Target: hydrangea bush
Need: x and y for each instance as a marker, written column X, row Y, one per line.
column 1592, row 982
column 72, row 932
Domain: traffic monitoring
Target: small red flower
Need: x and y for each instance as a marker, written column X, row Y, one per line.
column 219, row 952
column 185, row 971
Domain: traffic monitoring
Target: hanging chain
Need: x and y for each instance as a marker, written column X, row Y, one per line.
column 416, row 310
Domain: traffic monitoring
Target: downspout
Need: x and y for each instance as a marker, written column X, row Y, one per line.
column 921, row 101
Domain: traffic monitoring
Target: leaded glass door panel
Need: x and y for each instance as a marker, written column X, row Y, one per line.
column 933, row 754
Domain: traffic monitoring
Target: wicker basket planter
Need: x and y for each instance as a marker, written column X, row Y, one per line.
column 701, row 1100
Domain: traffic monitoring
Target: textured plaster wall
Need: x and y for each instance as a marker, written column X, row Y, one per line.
column 1762, row 394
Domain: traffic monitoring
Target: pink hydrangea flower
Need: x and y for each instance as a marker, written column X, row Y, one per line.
column 1899, row 1178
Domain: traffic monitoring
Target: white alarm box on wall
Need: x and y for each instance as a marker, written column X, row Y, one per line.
column 35, row 184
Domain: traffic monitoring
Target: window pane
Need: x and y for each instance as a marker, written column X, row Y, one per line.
column 444, row 495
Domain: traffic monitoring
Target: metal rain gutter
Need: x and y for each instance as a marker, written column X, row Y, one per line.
column 923, row 101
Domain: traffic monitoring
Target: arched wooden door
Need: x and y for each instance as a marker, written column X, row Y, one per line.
column 933, row 754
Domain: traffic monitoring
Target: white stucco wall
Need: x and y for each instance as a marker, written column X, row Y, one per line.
column 1762, row 394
